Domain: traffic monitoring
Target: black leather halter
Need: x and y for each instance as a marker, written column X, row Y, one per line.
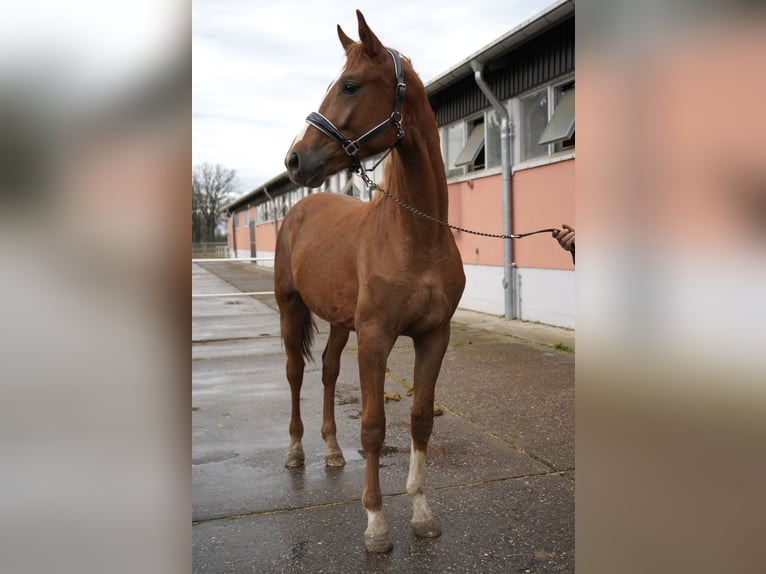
column 352, row 147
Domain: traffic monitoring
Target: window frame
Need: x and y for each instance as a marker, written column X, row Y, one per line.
column 559, row 109
column 554, row 153
column 469, row 125
column 457, row 171
column 473, row 146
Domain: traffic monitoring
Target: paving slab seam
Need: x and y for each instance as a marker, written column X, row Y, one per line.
column 478, row 483
column 561, row 473
column 233, row 339
column 280, row 510
column 521, row 450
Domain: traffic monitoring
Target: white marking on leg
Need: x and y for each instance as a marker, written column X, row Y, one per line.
column 376, row 524
column 415, row 484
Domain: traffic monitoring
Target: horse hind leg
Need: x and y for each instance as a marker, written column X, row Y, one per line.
column 297, row 334
column 330, row 370
column 429, row 352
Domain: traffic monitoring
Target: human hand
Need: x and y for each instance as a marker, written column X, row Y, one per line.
column 565, row 237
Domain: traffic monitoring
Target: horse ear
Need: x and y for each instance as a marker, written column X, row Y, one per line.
column 345, row 41
column 372, row 46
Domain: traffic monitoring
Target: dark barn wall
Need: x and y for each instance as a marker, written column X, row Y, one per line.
column 540, row 60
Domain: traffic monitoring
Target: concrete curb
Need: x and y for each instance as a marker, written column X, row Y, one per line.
column 548, row 335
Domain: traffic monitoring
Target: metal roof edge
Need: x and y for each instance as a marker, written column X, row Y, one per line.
column 545, row 19
column 275, row 182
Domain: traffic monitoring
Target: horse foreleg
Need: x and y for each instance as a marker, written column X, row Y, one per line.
column 330, row 369
column 429, row 352
column 373, row 354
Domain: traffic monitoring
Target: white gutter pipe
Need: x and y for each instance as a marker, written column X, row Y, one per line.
column 509, row 279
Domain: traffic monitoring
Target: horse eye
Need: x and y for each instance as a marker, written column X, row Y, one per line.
column 349, row 88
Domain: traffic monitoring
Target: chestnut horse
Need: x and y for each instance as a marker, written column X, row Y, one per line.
column 373, row 268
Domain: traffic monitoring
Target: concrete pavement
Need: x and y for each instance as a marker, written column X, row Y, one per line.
column 501, row 458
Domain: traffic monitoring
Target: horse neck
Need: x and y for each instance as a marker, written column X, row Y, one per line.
column 416, row 176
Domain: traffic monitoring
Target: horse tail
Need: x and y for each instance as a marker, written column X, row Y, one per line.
column 307, row 335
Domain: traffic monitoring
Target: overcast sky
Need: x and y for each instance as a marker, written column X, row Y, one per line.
column 259, row 67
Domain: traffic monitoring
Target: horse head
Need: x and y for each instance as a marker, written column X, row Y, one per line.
column 360, row 115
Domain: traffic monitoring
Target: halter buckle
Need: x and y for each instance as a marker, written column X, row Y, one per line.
column 396, row 119
column 351, row 148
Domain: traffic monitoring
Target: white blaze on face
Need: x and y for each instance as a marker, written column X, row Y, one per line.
column 335, row 81
column 302, row 133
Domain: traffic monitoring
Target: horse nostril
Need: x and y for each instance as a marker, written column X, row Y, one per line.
column 293, row 163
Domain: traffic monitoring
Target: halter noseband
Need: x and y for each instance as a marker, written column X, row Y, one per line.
column 352, row 147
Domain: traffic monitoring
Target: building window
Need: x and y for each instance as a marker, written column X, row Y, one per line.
column 454, row 144
column 561, row 127
column 482, row 148
column 262, row 212
column 533, row 112
column 546, row 121
column 472, row 154
column 492, row 139
column 246, row 215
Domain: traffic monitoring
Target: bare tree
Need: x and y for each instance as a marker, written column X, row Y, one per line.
column 212, row 188
column 197, row 220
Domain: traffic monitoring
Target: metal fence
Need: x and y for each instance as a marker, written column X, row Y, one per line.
column 210, row 249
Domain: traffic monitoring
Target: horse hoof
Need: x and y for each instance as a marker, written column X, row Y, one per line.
column 294, row 460
column 378, row 543
column 427, row 529
column 335, row 459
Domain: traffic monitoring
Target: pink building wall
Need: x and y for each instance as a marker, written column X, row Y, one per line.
column 542, row 197
column 265, row 237
column 242, row 233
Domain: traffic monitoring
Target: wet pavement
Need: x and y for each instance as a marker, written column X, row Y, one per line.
column 500, row 472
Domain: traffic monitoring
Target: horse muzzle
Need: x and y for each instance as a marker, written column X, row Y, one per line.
column 304, row 169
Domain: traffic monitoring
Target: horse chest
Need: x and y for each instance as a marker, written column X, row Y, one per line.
column 406, row 297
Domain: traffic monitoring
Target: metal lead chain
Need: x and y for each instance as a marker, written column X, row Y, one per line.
column 372, row 185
